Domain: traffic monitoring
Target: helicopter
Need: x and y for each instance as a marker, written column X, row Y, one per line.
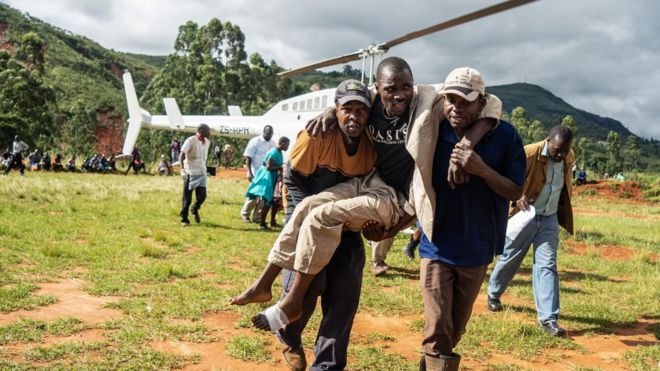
column 289, row 116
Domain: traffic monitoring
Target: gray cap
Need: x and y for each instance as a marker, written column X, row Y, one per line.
column 349, row 90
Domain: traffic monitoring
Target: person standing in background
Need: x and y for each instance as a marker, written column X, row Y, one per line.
column 254, row 154
column 194, row 153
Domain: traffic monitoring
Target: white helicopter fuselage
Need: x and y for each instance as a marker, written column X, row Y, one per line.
column 287, row 117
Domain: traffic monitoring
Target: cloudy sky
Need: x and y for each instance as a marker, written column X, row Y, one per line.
column 602, row 56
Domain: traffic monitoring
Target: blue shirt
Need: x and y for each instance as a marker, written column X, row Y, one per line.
column 470, row 222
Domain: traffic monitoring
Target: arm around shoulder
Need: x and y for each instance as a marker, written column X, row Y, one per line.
column 493, row 108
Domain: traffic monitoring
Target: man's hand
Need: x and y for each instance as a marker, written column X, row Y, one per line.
column 467, row 159
column 523, row 203
column 373, row 231
column 326, row 122
column 250, row 176
column 456, row 176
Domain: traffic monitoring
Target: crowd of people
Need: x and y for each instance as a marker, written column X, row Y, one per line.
column 13, row 159
column 393, row 156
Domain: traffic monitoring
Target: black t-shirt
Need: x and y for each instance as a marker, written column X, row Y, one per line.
column 388, row 135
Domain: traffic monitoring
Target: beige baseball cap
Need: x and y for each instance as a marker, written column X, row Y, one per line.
column 465, row 82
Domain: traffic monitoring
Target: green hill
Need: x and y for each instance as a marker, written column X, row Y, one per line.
column 77, row 67
column 80, row 70
column 548, row 108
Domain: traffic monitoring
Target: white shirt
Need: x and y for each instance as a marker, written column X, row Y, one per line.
column 196, row 155
column 19, row 146
column 256, row 149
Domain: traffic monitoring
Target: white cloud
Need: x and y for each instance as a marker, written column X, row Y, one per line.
column 598, row 55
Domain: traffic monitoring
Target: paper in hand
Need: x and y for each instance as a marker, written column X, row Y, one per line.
column 518, row 222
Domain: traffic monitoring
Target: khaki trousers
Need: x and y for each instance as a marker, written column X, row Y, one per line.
column 255, row 204
column 449, row 293
column 312, row 234
column 379, row 249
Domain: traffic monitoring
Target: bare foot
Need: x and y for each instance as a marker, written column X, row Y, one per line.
column 252, row 294
column 261, row 322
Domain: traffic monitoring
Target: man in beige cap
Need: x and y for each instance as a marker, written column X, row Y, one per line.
column 466, row 230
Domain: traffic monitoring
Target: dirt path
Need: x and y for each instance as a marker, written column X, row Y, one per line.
column 602, row 351
column 71, row 302
column 609, row 252
column 213, row 354
column 237, row 173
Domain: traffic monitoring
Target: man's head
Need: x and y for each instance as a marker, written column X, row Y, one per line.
column 464, row 91
column 268, row 133
column 283, row 143
column 559, row 142
column 17, row 138
column 394, row 81
column 353, row 103
column 204, row 130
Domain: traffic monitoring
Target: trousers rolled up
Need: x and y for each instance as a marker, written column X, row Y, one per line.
column 311, row 236
column 379, row 249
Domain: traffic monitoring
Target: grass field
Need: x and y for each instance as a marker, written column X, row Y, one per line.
column 97, row 273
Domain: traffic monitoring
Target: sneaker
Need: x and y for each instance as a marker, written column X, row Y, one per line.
column 409, row 250
column 551, row 327
column 378, row 267
column 494, row 305
column 263, row 227
column 185, row 222
column 196, row 217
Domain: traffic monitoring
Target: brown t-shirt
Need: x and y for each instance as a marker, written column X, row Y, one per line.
column 317, row 164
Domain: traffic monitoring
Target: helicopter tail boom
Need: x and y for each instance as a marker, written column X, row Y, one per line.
column 134, row 115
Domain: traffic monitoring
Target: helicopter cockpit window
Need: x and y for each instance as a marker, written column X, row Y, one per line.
column 285, row 107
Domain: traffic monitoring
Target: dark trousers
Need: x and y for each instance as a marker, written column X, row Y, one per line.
column 16, row 161
column 339, row 285
column 449, row 293
column 200, row 196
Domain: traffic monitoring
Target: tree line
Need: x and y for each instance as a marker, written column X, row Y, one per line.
column 208, row 70
column 610, row 157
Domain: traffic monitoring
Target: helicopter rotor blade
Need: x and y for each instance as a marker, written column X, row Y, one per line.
column 328, row 62
column 383, row 47
column 497, row 8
